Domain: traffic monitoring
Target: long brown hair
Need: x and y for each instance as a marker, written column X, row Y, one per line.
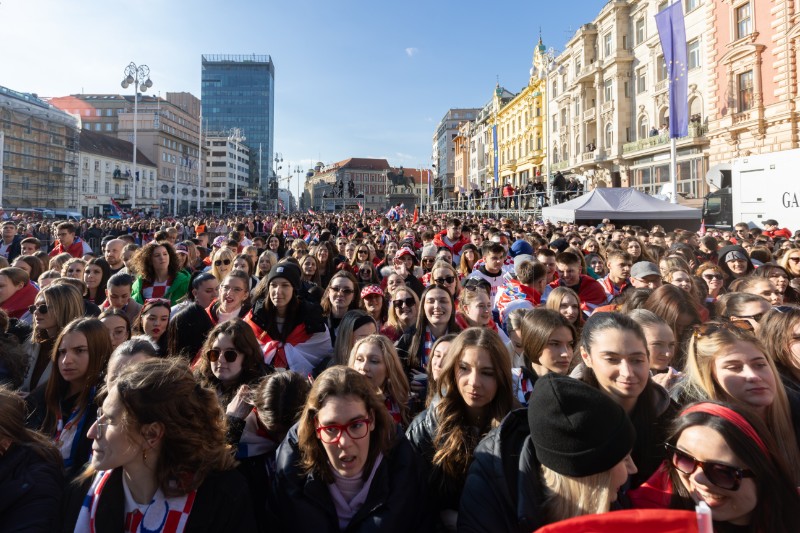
column 422, row 325
column 535, row 329
column 98, row 343
column 338, row 382
column 193, row 445
column 396, row 386
column 13, row 413
column 454, row 441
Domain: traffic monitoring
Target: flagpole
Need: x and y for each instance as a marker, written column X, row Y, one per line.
column 673, row 168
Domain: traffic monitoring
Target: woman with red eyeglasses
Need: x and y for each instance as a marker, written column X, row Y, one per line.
column 345, row 467
column 724, row 456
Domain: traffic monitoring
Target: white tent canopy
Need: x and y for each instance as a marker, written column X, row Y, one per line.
column 618, row 204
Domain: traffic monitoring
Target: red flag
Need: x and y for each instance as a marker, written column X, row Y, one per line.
column 702, row 227
column 416, row 215
column 360, row 208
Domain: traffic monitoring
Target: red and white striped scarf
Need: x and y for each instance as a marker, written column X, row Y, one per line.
column 163, row 515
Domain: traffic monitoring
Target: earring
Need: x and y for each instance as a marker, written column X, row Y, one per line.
column 144, row 455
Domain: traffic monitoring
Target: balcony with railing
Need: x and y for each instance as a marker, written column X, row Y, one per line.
column 561, row 165
column 607, row 106
column 589, row 114
column 696, row 131
column 662, row 85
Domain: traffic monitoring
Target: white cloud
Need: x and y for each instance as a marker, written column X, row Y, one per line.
column 411, row 51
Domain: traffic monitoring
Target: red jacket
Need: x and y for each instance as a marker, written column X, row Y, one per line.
column 590, row 292
column 782, row 232
column 438, row 240
column 78, row 248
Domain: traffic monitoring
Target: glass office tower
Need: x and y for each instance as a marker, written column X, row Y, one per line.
column 238, row 91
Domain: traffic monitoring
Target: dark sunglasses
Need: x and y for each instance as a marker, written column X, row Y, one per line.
column 407, row 302
column 342, row 290
column 742, row 319
column 42, row 308
column 712, row 276
column 447, row 279
column 229, row 355
column 723, row 476
column 219, row 262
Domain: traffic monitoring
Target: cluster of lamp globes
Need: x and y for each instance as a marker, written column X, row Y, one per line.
column 141, row 73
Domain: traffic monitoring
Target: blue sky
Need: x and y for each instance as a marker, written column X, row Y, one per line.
column 353, row 78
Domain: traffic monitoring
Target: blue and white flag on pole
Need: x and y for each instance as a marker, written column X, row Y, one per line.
column 672, row 33
column 496, row 154
column 430, row 189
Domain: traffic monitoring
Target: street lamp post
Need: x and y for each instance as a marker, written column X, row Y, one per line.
column 547, row 65
column 278, row 166
column 139, row 76
column 298, row 171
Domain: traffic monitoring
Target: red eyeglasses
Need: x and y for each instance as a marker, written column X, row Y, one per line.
column 357, row 429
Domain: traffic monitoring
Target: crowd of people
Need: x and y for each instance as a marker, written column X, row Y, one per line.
column 343, row 372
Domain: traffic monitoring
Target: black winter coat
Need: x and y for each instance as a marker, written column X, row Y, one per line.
column 504, row 489
column 31, row 488
column 222, row 504
column 397, row 500
column 445, row 491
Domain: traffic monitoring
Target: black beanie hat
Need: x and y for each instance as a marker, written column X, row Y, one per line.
column 577, row 430
column 287, row 270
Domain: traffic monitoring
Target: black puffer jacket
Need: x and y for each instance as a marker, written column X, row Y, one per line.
column 31, row 489
column 504, row 490
column 397, row 499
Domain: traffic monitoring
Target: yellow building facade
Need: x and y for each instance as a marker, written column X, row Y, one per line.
column 521, row 131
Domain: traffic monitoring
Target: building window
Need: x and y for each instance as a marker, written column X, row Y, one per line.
column 607, row 44
column 663, row 5
column 744, row 20
column 745, row 86
column 555, row 88
column 693, row 50
column 609, row 135
column 691, row 5
column 607, row 91
column 564, row 83
column 555, row 123
column 578, row 66
column 640, row 31
column 641, row 80
column 644, row 128
column 661, row 66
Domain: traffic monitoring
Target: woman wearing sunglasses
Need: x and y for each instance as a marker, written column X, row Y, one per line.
column 341, row 296
column 344, row 466
column 724, row 456
column 65, row 407
column 445, row 274
column 158, row 274
column 232, row 364
column 222, row 262
column 403, row 309
column 714, row 278
column 55, row 306
column 726, row 362
column 366, row 274
column 160, row 461
column 290, row 330
column 790, row 260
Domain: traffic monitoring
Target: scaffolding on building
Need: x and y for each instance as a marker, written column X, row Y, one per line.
column 40, row 156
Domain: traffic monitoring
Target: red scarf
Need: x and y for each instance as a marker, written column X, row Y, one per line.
column 17, row 305
column 277, row 359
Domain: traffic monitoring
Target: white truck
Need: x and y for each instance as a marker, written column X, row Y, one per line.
column 753, row 189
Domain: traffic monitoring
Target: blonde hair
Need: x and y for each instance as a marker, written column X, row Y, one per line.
column 701, row 384
column 568, row 497
column 396, row 385
column 221, row 254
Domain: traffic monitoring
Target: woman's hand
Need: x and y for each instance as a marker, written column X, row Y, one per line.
column 240, row 405
column 419, row 382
